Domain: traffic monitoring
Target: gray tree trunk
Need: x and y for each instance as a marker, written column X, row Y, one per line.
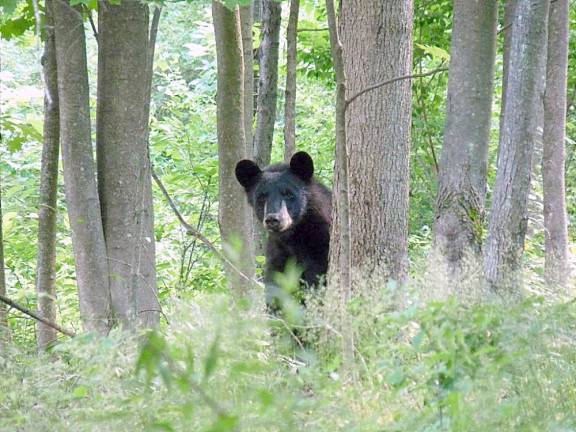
column 290, row 92
column 555, row 216
column 124, row 179
column 462, row 178
column 505, row 244
column 248, row 56
column 234, row 215
column 4, row 329
column 377, row 40
column 509, row 17
column 267, row 81
column 79, row 169
column 340, row 267
column 46, row 260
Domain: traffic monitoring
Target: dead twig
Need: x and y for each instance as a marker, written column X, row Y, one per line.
column 391, row 81
column 37, row 317
column 194, row 232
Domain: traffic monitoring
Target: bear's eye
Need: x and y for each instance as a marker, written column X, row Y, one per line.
column 287, row 194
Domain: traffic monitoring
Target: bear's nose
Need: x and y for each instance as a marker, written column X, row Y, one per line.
column 272, row 221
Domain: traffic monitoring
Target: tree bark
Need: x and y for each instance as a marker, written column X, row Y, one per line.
column 124, row 180
column 379, row 40
column 267, row 81
column 234, row 215
column 248, row 56
column 4, row 329
column 463, row 168
column 509, row 17
column 555, row 216
column 340, row 267
column 79, row 169
column 290, row 92
column 46, row 260
column 505, row 244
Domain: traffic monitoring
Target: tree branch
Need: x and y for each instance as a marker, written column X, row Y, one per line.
column 312, row 29
column 391, row 81
column 92, row 24
column 37, row 317
column 194, row 232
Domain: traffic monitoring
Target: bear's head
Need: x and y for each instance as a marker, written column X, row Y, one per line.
column 278, row 193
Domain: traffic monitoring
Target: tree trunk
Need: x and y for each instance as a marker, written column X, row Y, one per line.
column 267, row 81
column 290, row 92
column 378, row 38
column 79, row 169
column 234, row 215
column 124, row 179
column 340, row 267
column 4, row 329
column 508, row 221
column 462, row 178
column 555, row 216
column 46, row 260
column 509, row 17
column 248, row 56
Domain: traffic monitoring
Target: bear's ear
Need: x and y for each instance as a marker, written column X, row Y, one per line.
column 247, row 173
column 301, row 164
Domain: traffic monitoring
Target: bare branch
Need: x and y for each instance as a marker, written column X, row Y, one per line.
column 312, row 29
column 37, row 317
column 194, row 232
column 391, row 81
column 92, row 24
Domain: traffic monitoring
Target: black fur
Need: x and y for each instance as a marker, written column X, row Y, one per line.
column 297, row 211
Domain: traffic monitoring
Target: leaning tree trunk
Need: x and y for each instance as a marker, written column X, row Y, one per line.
column 462, row 178
column 234, row 215
column 79, row 169
column 290, row 92
column 123, row 165
column 46, row 260
column 377, row 38
column 505, row 244
column 555, row 217
column 267, row 81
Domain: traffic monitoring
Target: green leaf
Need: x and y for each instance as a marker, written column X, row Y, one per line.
column 212, row 358
column 80, row 392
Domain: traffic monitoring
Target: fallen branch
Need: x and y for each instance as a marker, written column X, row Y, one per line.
column 37, row 317
column 391, row 81
column 194, row 232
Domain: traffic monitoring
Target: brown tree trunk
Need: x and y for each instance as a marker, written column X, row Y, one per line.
column 462, row 178
column 555, row 216
column 234, row 215
column 46, row 260
column 124, row 179
column 377, row 38
column 79, row 169
column 267, row 81
column 505, row 244
column 290, row 92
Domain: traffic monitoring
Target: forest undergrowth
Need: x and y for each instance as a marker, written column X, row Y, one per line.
column 431, row 364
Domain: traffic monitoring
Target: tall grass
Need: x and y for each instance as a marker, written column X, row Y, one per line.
column 428, row 366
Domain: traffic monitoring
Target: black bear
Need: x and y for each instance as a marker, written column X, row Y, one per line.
column 297, row 212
